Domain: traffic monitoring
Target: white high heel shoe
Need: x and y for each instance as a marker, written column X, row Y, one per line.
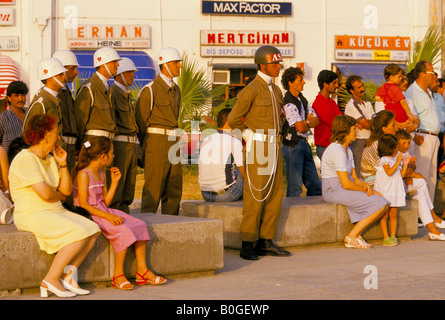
column 57, row 292
column 69, row 287
column 432, row 236
column 440, row 225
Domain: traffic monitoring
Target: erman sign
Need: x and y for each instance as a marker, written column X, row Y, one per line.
column 247, row 8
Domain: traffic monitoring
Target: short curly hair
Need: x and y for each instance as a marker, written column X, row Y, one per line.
column 37, row 127
column 290, row 74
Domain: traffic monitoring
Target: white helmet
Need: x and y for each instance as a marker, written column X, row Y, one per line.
column 105, row 55
column 67, row 57
column 168, row 54
column 126, row 64
column 49, row 68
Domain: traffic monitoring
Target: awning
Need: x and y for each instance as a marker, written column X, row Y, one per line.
column 8, row 73
column 142, row 61
column 368, row 71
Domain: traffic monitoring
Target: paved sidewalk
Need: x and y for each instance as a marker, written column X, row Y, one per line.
column 412, row 270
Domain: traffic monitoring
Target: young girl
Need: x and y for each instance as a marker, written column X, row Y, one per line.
column 392, row 95
column 90, row 192
column 389, row 182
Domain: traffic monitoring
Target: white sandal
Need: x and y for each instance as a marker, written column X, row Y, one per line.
column 432, row 236
column 360, row 244
column 7, row 217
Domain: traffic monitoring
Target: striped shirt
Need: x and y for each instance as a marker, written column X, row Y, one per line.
column 10, row 128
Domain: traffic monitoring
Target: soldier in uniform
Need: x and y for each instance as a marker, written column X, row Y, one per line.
column 157, row 111
column 92, row 107
column 66, row 103
column 51, row 73
column 260, row 103
column 125, row 140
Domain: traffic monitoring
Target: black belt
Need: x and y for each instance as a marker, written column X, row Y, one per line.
column 428, row 132
column 221, row 192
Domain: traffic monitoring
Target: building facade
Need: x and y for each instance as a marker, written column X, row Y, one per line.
column 221, row 35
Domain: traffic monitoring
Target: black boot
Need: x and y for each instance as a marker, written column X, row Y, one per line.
column 266, row 247
column 248, row 251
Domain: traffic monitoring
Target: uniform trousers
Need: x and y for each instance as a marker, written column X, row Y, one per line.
column 260, row 213
column 163, row 179
column 125, row 160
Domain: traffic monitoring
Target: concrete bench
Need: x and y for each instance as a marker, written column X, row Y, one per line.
column 178, row 245
column 439, row 198
column 303, row 221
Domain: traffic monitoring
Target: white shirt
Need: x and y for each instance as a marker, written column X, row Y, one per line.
column 360, row 110
column 167, row 80
column 218, row 155
column 51, row 92
column 104, row 80
column 335, row 159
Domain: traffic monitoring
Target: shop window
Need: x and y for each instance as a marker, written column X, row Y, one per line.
column 234, row 78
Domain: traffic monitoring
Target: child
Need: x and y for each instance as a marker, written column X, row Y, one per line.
column 403, row 145
column 392, row 95
column 389, row 183
column 90, row 192
column 424, row 204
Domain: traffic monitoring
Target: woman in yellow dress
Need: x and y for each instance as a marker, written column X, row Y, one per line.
column 39, row 182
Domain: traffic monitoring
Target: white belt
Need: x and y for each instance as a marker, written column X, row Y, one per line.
column 69, row 140
column 101, row 133
column 161, row 131
column 124, row 138
column 264, row 138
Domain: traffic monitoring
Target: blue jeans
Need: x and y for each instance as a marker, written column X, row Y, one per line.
column 300, row 169
column 233, row 193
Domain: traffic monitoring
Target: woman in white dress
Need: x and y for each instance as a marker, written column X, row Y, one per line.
column 341, row 185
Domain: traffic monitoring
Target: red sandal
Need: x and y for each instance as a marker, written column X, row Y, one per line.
column 121, row 286
column 145, row 281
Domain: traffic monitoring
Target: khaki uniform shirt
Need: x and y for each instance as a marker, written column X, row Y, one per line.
column 45, row 102
column 66, row 103
column 124, row 111
column 92, row 108
column 164, row 111
column 255, row 104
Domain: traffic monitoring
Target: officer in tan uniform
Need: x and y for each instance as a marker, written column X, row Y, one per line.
column 66, row 102
column 125, row 140
column 260, row 104
column 52, row 74
column 157, row 111
column 92, row 107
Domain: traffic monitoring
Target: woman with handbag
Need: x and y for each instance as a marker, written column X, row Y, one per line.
column 39, row 182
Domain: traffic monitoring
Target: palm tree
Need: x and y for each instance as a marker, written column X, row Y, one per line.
column 196, row 93
column 429, row 49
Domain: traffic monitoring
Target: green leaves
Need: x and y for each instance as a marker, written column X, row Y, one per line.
column 429, row 49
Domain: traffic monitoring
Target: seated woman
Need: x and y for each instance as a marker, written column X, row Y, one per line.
column 384, row 123
column 341, row 185
column 39, row 182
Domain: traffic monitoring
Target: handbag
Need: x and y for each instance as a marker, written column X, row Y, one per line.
column 79, row 210
column 6, row 209
column 290, row 136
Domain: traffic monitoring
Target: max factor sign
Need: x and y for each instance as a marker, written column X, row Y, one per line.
column 247, row 8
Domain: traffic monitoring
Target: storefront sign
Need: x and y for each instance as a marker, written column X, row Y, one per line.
column 9, row 43
column 247, row 8
column 7, row 17
column 372, row 48
column 7, row 2
column 116, row 36
column 244, row 43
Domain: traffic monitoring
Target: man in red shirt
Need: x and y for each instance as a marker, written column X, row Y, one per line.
column 326, row 109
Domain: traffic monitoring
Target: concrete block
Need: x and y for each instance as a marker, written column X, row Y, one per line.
column 180, row 245
column 407, row 223
column 307, row 220
column 24, row 265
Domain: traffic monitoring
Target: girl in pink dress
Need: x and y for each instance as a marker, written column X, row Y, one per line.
column 90, row 192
